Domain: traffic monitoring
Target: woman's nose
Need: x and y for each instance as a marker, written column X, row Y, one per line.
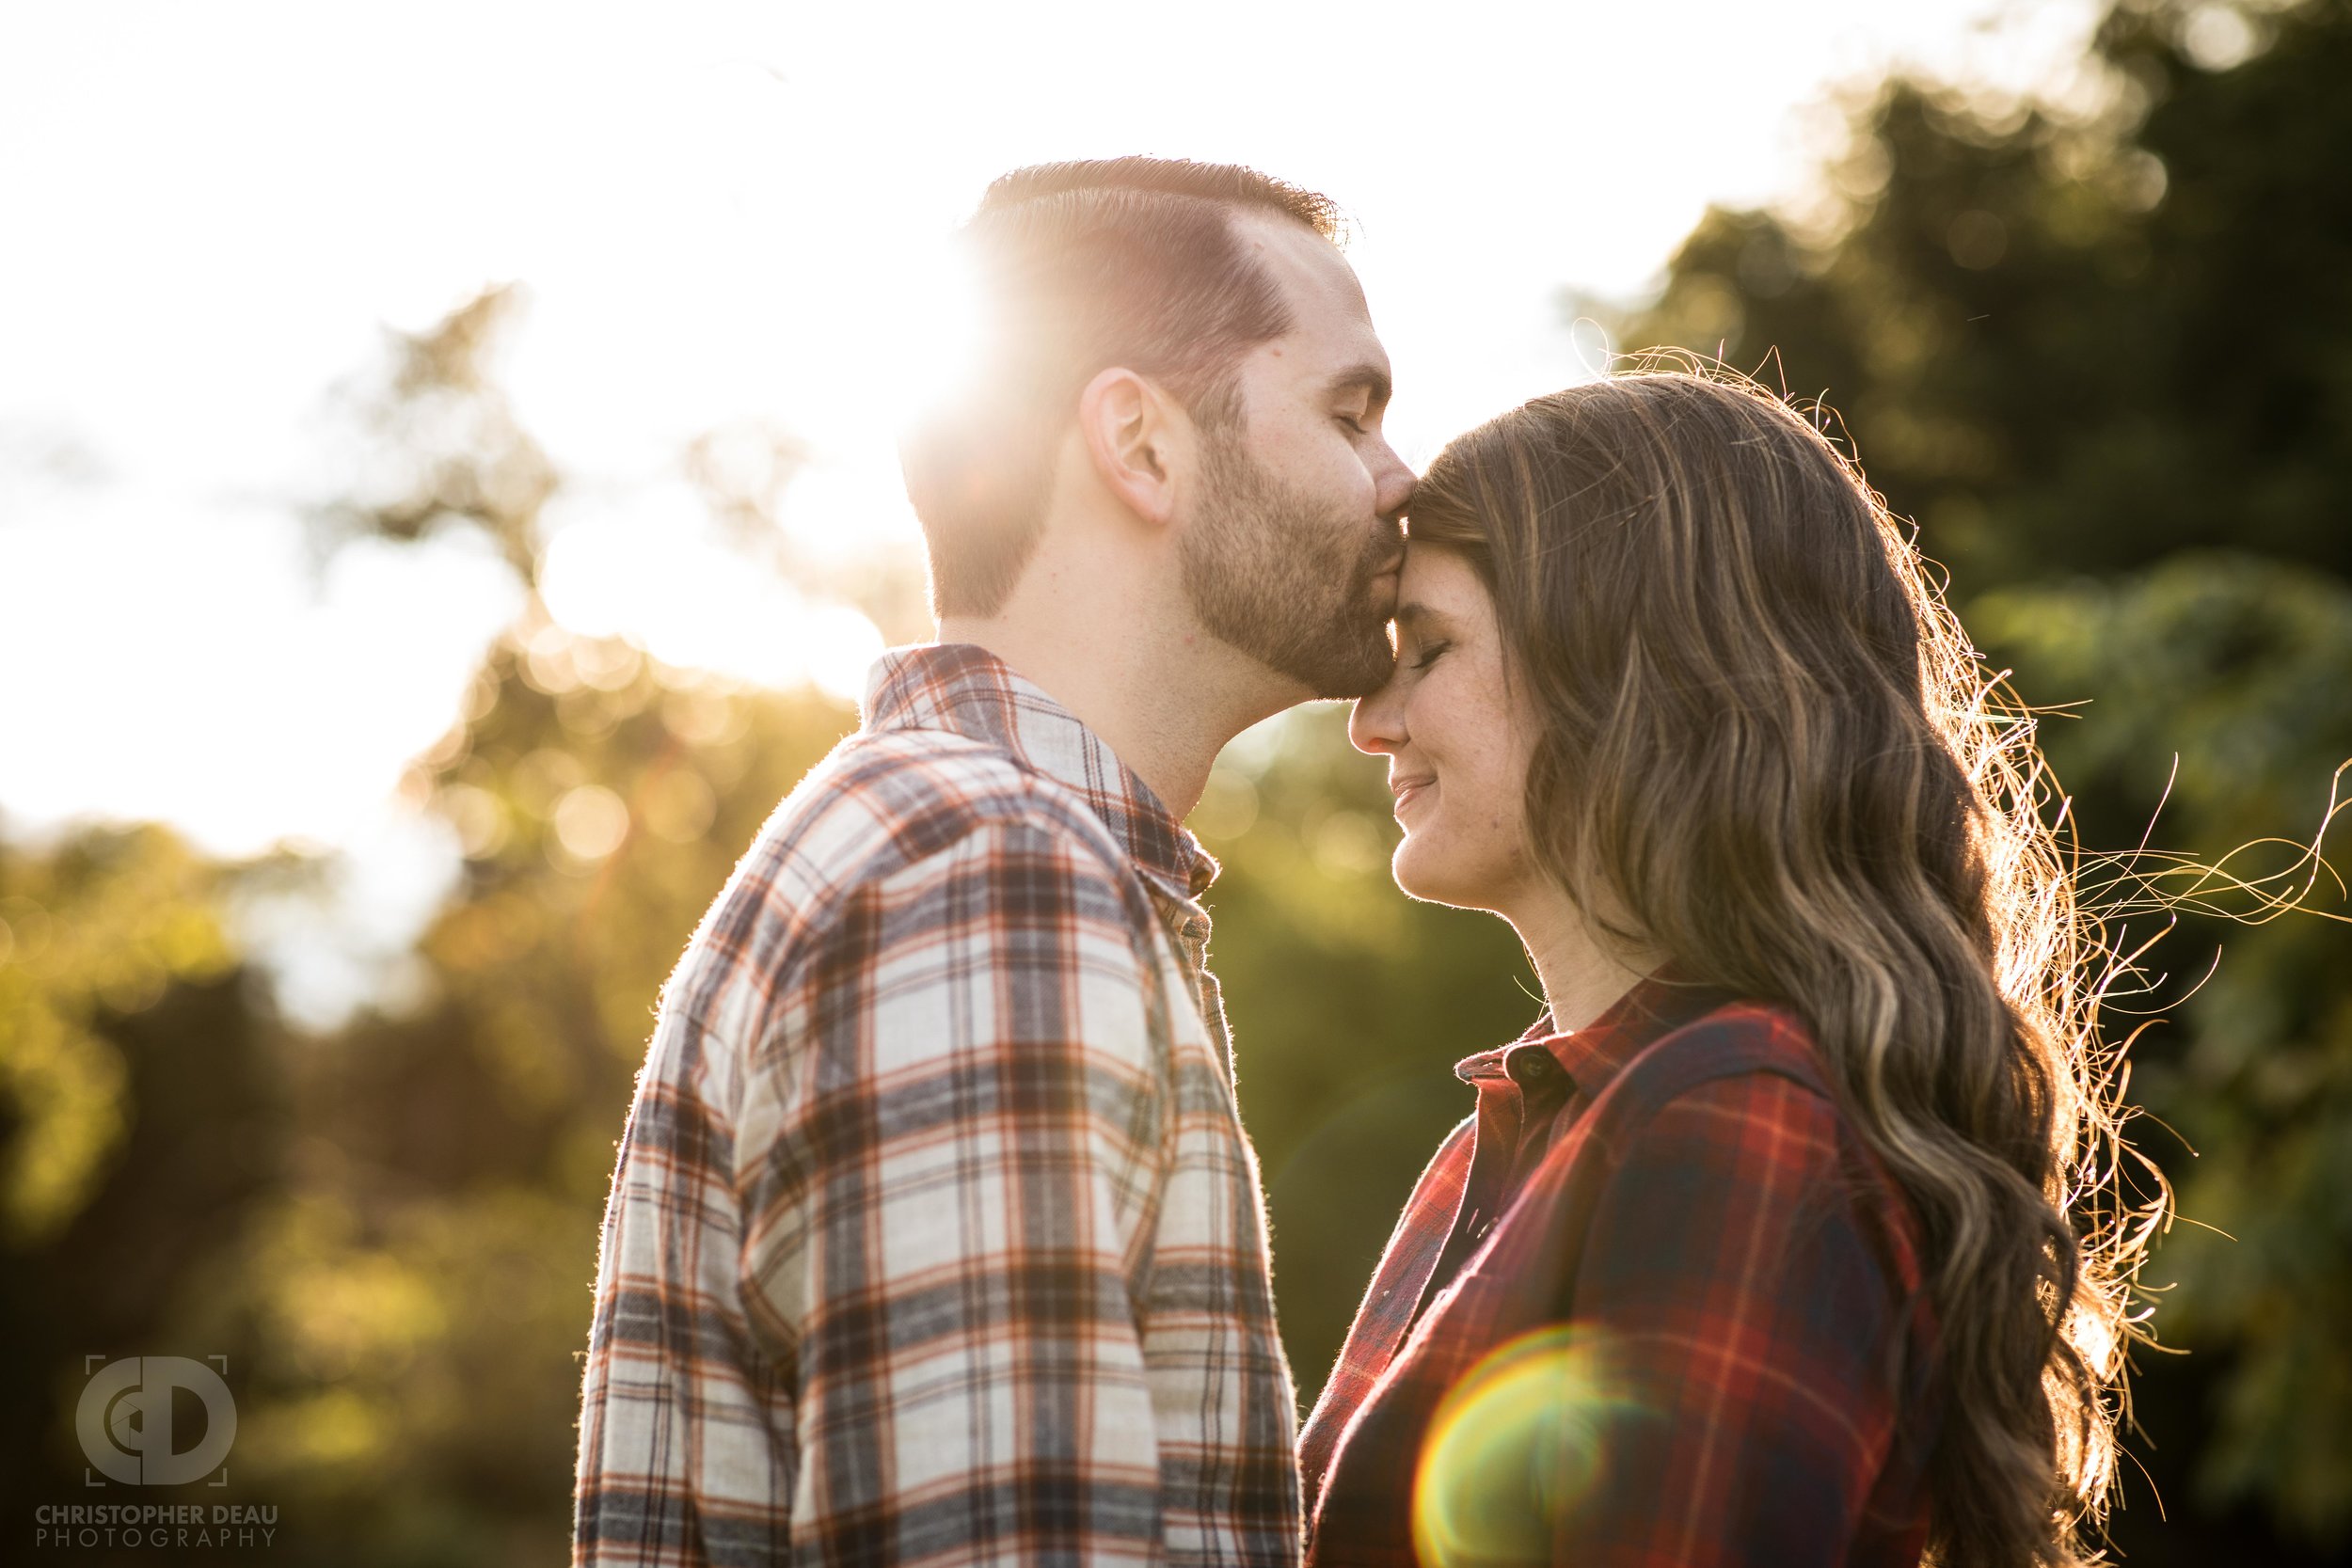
column 1376, row 727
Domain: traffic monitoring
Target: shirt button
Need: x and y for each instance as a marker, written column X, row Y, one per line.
column 1529, row 1065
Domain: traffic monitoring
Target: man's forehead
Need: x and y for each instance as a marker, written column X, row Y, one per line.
column 1325, row 298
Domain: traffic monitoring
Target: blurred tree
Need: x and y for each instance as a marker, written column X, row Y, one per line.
column 2099, row 355
column 100, row 929
column 440, row 443
column 140, row 1123
column 2076, row 343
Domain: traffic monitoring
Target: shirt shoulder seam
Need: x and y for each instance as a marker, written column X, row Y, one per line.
column 1698, row 1056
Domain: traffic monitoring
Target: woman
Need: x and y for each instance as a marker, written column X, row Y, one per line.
column 1787, row 1235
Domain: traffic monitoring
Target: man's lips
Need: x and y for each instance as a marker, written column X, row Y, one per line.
column 1409, row 788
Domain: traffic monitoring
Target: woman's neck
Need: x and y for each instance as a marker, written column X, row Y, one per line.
column 1583, row 976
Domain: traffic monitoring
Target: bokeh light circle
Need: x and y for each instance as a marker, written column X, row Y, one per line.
column 1519, row 1444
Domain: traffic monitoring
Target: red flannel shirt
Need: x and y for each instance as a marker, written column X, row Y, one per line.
column 1653, row 1303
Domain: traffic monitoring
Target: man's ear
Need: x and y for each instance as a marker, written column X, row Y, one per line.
column 1134, row 432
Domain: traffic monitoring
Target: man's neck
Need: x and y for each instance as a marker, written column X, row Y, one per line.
column 1164, row 711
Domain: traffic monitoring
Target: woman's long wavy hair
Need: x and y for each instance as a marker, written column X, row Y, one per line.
column 1764, row 737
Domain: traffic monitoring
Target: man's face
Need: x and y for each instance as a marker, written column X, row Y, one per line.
column 1292, row 550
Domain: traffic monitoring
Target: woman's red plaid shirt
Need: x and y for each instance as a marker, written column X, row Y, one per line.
column 1653, row 1303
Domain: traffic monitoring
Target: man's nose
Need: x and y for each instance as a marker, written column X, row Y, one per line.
column 1393, row 482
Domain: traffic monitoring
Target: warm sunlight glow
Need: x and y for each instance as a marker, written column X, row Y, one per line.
column 737, row 214
column 932, row 337
column 649, row 572
column 286, row 712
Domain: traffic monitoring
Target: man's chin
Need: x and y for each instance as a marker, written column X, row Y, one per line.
column 1345, row 658
column 1345, row 680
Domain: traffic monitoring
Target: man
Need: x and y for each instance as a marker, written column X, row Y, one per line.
column 935, row 1237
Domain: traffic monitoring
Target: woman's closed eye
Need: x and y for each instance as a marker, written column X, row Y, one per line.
column 1426, row 653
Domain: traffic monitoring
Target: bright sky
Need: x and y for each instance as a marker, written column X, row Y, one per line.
column 721, row 212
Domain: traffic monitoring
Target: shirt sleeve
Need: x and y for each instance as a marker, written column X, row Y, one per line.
column 678, row 1463
column 1730, row 1387
column 951, row 1220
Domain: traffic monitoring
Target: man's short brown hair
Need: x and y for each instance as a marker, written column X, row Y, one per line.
column 1130, row 261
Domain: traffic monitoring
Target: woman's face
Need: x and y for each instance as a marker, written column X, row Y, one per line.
column 1456, row 739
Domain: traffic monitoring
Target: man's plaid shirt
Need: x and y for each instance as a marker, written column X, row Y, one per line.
column 935, row 1238
column 1662, row 1231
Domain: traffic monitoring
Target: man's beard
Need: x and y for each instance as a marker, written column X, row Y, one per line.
column 1259, row 567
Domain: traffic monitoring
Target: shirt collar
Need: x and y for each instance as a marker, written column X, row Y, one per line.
column 969, row 692
column 1656, row 1007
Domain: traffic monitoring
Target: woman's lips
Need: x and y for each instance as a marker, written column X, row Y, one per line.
column 1407, row 790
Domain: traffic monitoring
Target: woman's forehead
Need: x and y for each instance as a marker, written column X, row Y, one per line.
column 1437, row 590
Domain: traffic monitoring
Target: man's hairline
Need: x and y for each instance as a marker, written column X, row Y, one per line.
column 1230, row 376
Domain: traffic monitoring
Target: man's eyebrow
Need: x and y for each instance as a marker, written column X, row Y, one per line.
column 1371, row 377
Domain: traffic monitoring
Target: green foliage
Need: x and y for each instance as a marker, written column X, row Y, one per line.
column 2069, row 345
column 103, row 925
column 139, row 1123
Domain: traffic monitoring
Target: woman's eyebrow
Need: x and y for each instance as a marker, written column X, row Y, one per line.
column 1419, row 619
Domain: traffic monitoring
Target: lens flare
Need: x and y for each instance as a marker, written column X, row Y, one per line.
column 1519, row 1444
